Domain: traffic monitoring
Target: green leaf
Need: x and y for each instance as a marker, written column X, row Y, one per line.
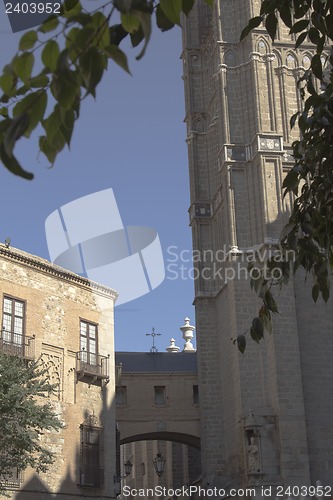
column 271, row 25
column 265, row 317
column 49, row 150
column 299, row 26
column 162, row 21
column 241, row 343
column 258, row 327
column 70, row 8
column 51, row 124
column 117, row 34
column 11, row 163
column 34, row 105
column 102, row 28
column 39, row 81
column 254, row 335
column 285, row 15
column 210, row 3
column 65, row 88
column 317, row 67
column 28, row 40
column 187, row 6
column 314, row 35
column 300, row 39
column 315, row 292
column 92, row 66
column 16, row 129
column 293, row 119
column 252, row 24
column 23, row 64
column 172, row 9
column 50, row 24
column 7, row 83
column 68, row 125
column 50, row 55
column 118, row 56
column 145, row 20
column 270, row 302
column 130, row 22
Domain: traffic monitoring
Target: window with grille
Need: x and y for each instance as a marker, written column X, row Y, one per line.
column 91, row 457
column 88, row 343
column 160, row 396
column 13, row 479
column 13, row 321
column 195, row 395
column 121, row 395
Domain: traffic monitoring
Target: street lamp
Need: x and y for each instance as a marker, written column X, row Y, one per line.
column 159, row 463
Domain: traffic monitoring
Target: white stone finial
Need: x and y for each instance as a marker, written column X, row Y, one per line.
column 187, row 331
column 172, row 347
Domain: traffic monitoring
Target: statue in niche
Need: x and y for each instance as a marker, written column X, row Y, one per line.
column 253, row 456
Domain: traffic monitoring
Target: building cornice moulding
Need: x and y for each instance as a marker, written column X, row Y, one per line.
column 42, row 265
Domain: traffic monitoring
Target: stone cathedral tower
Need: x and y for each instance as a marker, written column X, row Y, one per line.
column 266, row 415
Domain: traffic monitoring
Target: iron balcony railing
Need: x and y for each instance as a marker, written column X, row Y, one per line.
column 92, row 365
column 15, row 344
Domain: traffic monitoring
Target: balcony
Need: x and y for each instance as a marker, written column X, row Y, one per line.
column 92, row 368
column 14, row 344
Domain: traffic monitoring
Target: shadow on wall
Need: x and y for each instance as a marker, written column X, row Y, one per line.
column 91, row 475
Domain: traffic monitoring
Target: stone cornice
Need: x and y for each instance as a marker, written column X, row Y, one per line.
column 42, row 265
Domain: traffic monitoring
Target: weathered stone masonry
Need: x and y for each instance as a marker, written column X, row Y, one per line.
column 56, row 302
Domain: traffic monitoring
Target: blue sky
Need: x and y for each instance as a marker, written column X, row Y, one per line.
column 131, row 139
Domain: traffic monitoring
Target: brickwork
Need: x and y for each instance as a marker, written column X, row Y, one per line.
column 55, row 302
column 243, row 95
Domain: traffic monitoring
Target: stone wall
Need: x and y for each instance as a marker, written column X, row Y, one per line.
column 55, row 302
column 239, row 99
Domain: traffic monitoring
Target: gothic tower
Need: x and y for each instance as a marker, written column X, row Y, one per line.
column 266, row 415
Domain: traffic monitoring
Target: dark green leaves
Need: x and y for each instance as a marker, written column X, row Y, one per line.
column 271, row 24
column 253, row 23
column 299, row 26
column 15, row 130
column 317, row 67
column 119, row 57
column 172, row 9
column 92, row 66
column 241, row 343
column 26, row 414
column 257, row 330
column 130, row 22
column 11, row 163
column 23, row 64
column 28, row 40
column 65, row 88
column 162, row 21
column 187, row 6
column 50, row 55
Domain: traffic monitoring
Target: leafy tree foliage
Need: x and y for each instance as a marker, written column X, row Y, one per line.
column 24, row 416
column 308, row 236
column 75, row 48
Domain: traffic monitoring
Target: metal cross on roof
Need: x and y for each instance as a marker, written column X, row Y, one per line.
column 153, row 334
